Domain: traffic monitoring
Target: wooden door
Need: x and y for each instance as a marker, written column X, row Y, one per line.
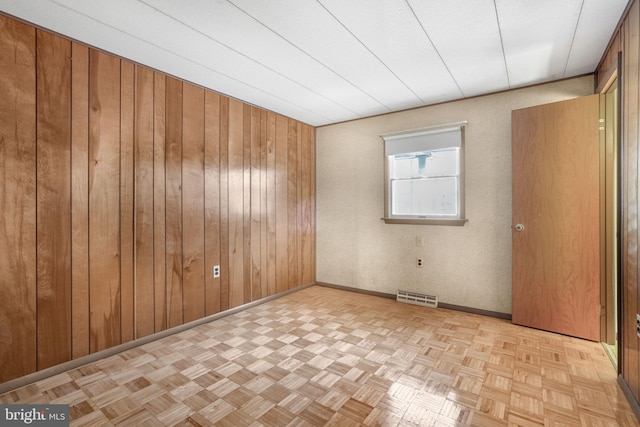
column 556, row 255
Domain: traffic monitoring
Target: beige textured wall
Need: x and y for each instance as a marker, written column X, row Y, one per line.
column 468, row 266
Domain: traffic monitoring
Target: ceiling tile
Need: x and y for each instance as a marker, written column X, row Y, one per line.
column 228, row 25
column 307, row 25
column 597, row 22
column 392, row 33
column 474, row 56
column 537, row 37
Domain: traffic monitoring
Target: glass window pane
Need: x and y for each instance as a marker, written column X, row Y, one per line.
column 425, row 164
column 425, row 197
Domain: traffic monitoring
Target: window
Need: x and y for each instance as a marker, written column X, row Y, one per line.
column 424, row 176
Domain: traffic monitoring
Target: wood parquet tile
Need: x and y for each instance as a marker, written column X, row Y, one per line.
column 323, row 356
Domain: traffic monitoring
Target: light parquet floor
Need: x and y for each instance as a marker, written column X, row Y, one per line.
column 323, row 356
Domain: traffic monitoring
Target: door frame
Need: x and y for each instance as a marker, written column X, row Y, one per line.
column 611, row 76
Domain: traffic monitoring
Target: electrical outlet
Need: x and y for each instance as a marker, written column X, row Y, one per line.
column 216, row 271
column 419, row 262
column 638, row 324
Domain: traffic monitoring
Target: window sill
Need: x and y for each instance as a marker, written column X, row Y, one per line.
column 425, row 221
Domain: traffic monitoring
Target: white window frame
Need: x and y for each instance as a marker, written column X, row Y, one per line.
column 424, row 139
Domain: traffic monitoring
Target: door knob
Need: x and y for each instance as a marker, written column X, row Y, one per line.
column 519, row 227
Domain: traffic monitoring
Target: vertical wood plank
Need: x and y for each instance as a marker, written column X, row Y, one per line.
column 256, row 204
column 306, row 195
column 312, row 219
column 127, row 214
column 282, row 206
column 18, row 199
column 625, row 226
column 174, row 201
column 80, row 200
column 53, row 199
column 299, row 206
column 224, row 203
column 236, row 203
column 609, row 58
column 264, row 276
column 193, row 202
column 292, row 202
column 159, row 166
column 246, row 204
column 212, row 199
column 632, row 97
column 271, row 203
column 629, row 284
column 104, row 200
column 144, row 177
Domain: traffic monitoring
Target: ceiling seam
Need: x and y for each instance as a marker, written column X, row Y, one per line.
column 371, row 52
column 193, row 62
column 573, row 38
column 313, row 58
column 435, row 48
column 504, row 56
column 247, row 57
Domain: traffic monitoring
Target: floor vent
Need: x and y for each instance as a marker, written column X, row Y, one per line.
column 418, row 299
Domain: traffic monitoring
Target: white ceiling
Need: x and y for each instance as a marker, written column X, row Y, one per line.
column 327, row 61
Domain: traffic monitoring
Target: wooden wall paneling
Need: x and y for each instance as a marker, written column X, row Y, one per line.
column 299, row 207
column 609, row 58
column 53, row 178
column 264, row 288
column 193, row 202
column 256, row 204
column 626, row 325
column 311, row 202
column 18, row 199
column 173, row 196
column 127, row 188
column 224, row 203
column 144, row 206
column 631, row 125
column 79, row 200
column 312, row 207
column 212, row 199
column 281, row 206
column 270, row 195
column 159, row 206
column 615, row 48
column 306, row 200
column 157, row 193
column 612, row 56
column 633, row 97
column 624, row 188
column 104, row 200
column 630, row 255
column 292, row 202
column 236, row 203
column 626, row 330
column 247, row 277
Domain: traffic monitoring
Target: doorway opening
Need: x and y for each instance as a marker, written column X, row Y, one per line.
column 609, row 205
